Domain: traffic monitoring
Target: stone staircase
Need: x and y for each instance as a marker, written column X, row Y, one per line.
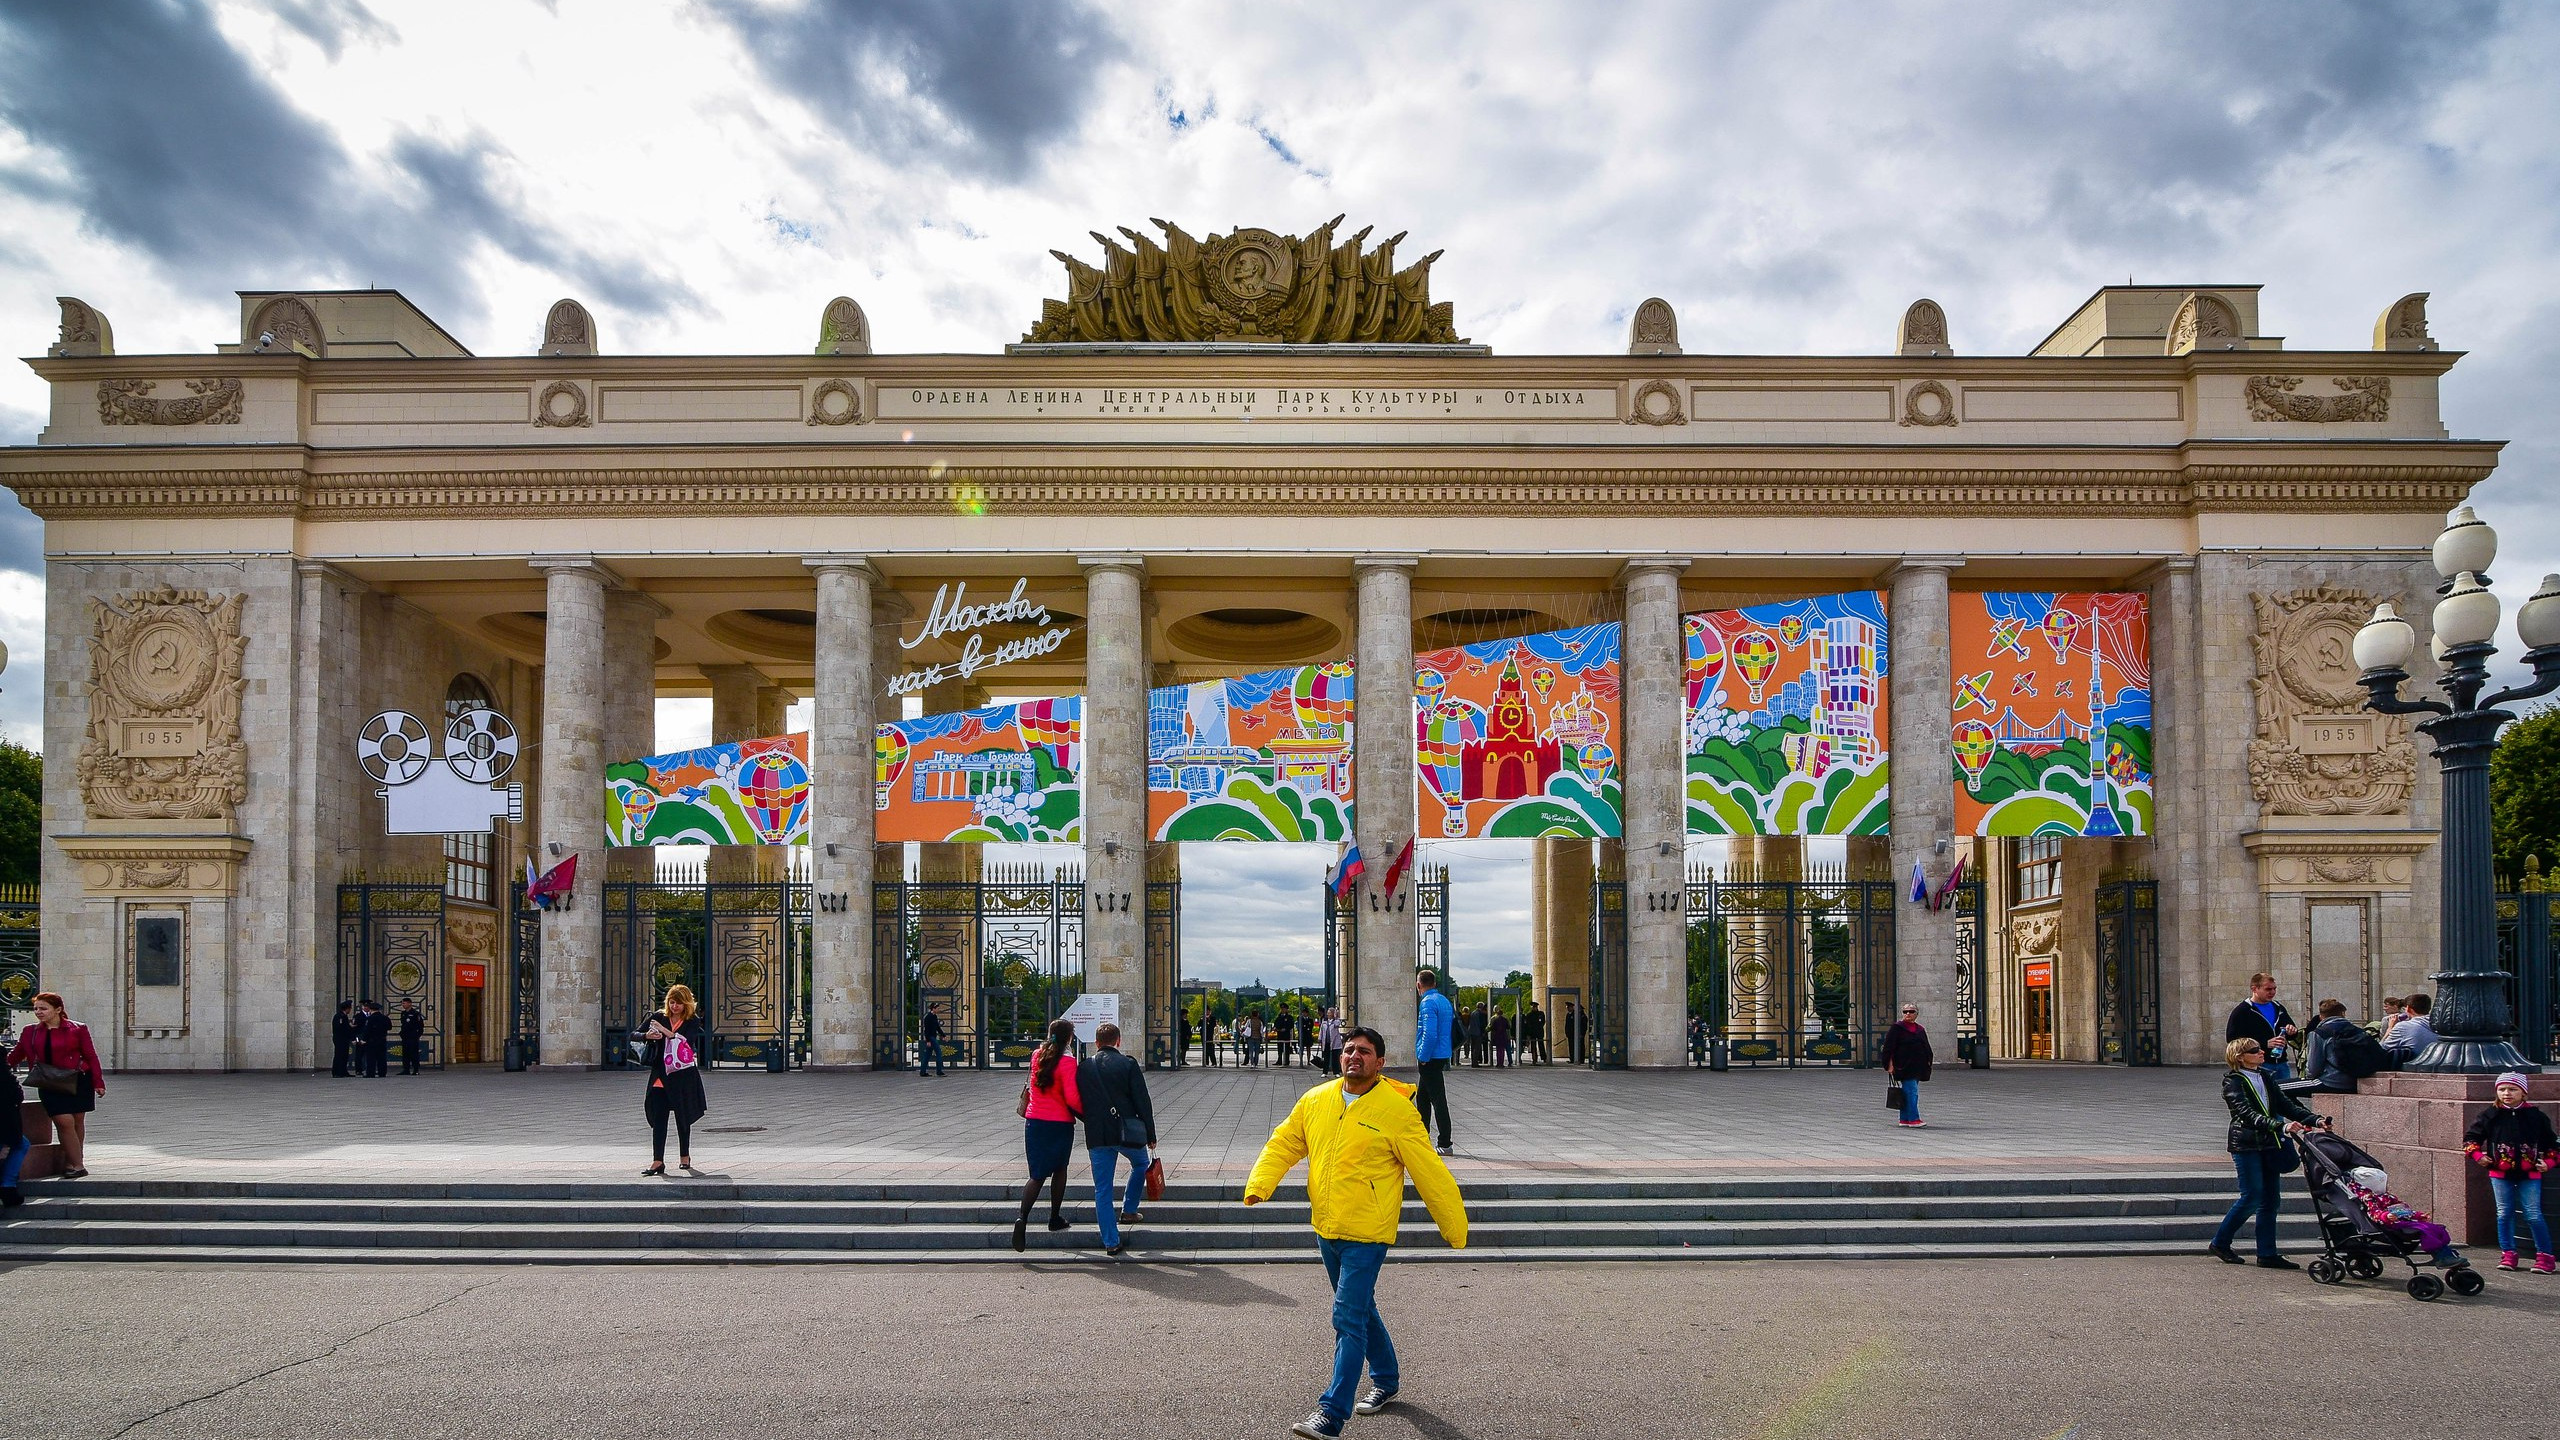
column 718, row 1222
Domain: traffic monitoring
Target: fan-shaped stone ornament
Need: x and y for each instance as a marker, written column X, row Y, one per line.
column 568, row 330
column 1924, row 330
column 2402, row 327
column 2205, row 322
column 1655, row 329
column 84, row 330
column 843, row 329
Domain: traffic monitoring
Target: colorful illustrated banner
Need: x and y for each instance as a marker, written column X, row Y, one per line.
column 1007, row 772
column 2052, row 713
column 1786, row 730
column 1518, row 737
column 751, row 792
column 1259, row 757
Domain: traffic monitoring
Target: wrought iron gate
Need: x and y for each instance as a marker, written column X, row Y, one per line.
column 1604, row 1011
column 2128, row 915
column 524, row 972
column 997, row 957
column 1789, row 972
column 21, row 949
column 2529, row 949
column 740, row 945
column 391, row 952
column 1973, row 1015
column 1168, row 1028
column 1431, row 921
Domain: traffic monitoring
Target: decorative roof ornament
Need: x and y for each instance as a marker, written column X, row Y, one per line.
column 1655, row 329
column 843, row 329
column 2205, row 322
column 568, row 330
column 285, row 325
column 1924, row 330
column 84, row 330
column 1250, row 285
column 2402, row 327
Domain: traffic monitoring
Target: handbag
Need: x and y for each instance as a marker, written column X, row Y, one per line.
column 1155, row 1180
column 1022, row 1102
column 2288, row 1159
column 45, row 1075
column 1893, row 1094
column 1133, row 1131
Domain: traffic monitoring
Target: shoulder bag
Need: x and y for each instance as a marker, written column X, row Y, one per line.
column 45, row 1075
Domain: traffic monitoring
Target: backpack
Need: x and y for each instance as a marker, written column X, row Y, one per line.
column 2358, row 1054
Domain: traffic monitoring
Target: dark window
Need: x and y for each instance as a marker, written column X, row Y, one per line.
column 470, row 861
column 2039, row 868
column 156, row 950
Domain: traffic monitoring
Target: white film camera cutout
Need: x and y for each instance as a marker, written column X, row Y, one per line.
column 457, row 797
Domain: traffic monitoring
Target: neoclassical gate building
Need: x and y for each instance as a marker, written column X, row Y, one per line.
column 1209, row 459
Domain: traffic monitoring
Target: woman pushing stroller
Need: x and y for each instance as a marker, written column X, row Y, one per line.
column 2261, row 1116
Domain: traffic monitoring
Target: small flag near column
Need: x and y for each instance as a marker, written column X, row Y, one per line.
column 547, row 890
column 1348, row 869
column 1919, row 885
column 1403, row 862
column 1946, row 892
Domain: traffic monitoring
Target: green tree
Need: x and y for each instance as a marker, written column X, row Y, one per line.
column 21, row 813
column 2524, row 794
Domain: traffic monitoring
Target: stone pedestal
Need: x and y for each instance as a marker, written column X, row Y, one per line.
column 44, row 1153
column 2413, row 1124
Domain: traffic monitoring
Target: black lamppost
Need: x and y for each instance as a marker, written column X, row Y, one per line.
column 2472, row 1016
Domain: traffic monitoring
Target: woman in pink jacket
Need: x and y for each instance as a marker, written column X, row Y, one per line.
column 56, row 1039
column 1050, row 1107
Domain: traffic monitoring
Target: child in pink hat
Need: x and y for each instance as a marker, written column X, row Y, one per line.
column 2513, row 1141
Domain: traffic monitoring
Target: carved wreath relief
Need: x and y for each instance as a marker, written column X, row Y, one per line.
column 164, row 707
column 130, row 402
column 2317, row 750
column 2367, row 397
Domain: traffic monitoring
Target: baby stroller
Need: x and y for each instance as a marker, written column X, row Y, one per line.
column 2352, row 1241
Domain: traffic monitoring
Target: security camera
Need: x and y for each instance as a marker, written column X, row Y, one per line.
column 265, row 339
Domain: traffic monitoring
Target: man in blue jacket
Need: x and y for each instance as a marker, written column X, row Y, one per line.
column 1431, row 1047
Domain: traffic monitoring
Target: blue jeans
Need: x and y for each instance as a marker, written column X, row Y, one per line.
column 2524, row 1195
column 17, row 1159
column 1911, row 1101
column 929, row 1052
column 1358, row 1334
column 2261, row 1191
column 2278, row 1071
column 1106, row 1160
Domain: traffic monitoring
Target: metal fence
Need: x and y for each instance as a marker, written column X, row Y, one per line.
column 2128, row 929
column 391, row 951
column 742, row 948
column 21, row 949
column 1789, row 970
column 995, row 958
column 2529, row 950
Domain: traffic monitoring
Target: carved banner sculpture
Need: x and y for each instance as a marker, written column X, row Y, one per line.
column 1251, row 285
column 1258, row 757
column 1518, row 737
column 2052, row 729
column 1787, row 722
column 164, row 707
column 2318, row 750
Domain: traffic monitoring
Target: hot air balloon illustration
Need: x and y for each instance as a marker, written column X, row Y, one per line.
column 1542, row 680
column 1706, row 656
column 2059, row 626
column 1323, row 697
column 637, row 806
column 1056, row 723
column 774, row 788
column 1791, row 630
column 1755, row 655
column 1429, row 685
column 889, row 761
column 1973, row 741
column 1440, row 737
column 1594, row 762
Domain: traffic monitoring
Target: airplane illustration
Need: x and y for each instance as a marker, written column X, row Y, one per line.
column 2024, row 684
column 2062, row 691
column 2009, row 634
column 1975, row 690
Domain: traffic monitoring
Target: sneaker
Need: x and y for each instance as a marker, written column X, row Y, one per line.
column 1132, row 1217
column 1912, row 1124
column 2506, row 1259
column 2276, row 1262
column 1317, row 1426
column 1448, row 1148
column 1110, row 1249
column 2542, row 1265
column 1378, row 1398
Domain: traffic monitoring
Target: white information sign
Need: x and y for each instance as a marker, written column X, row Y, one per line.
column 1090, row 1012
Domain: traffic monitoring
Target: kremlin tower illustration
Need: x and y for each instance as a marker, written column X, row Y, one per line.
column 1510, row 762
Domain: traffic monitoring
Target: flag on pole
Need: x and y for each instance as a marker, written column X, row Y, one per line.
column 1946, row 892
column 1348, row 869
column 1403, row 861
column 553, row 885
column 1919, row 885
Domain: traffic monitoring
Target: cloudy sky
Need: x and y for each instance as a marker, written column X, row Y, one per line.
column 1790, row 176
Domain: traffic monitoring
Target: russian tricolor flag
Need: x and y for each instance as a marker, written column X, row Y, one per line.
column 1348, row 869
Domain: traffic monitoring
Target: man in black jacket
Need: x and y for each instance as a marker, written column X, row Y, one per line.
column 377, row 1041
column 1119, row 1124
column 413, row 1031
column 2263, row 1018
column 342, row 1037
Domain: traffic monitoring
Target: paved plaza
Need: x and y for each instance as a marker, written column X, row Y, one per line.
column 480, row 1124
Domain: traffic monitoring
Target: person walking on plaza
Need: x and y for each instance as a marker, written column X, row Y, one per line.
column 63, row 1067
column 2415, row 1032
column 1119, row 1124
column 2263, row 1018
column 1572, row 1033
column 1361, row 1139
column 1501, row 1039
column 1533, row 1037
column 1049, row 1106
column 13, row 1138
column 413, row 1036
column 1906, row 1058
column 1433, row 1036
column 1249, row 1036
column 1475, row 1028
column 677, row 1043
column 2513, row 1141
column 1209, row 1037
column 342, row 1037
column 929, row 1042
column 1329, row 1035
column 2262, row 1115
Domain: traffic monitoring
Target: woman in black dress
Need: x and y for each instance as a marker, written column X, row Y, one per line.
column 676, row 1045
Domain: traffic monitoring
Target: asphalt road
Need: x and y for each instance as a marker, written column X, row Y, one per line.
column 2090, row 1349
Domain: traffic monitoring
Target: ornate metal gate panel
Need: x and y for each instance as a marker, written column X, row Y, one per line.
column 1973, row 1016
column 735, row 944
column 1168, row 1037
column 2128, row 915
column 524, row 972
column 1789, row 972
column 21, row 935
column 2529, row 948
column 1431, row 920
column 1341, row 947
column 896, row 953
column 999, row 957
column 391, row 952
column 1605, row 983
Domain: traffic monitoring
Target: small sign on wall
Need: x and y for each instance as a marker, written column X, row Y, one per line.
column 469, row 975
column 2040, row 975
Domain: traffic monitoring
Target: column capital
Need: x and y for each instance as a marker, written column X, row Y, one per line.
column 856, row 564
column 1135, row 564
column 1384, row 562
column 890, row 607
column 629, row 599
column 749, row 673
column 2171, row 565
column 550, row 564
column 1939, row 563
column 323, row 570
column 1649, row 564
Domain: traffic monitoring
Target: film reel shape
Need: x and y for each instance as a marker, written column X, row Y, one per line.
column 480, row 744
column 392, row 747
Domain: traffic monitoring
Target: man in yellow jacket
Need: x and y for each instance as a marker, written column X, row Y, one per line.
column 1360, row 1137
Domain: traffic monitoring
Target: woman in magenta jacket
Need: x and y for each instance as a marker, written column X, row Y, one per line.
column 55, row 1039
column 1050, row 1108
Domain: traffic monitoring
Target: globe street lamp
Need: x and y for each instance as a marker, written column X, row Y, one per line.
column 2471, row 1015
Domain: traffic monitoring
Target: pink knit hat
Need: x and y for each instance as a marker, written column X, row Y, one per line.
column 2515, row 1078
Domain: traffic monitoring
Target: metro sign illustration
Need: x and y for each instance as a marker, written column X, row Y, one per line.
column 458, row 796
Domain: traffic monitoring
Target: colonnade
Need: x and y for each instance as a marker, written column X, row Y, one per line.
column 598, row 658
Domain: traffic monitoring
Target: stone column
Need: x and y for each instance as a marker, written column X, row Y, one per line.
column 1652, row 759
column 841, row 820
column 328, row 793
column 2177, row 819
column 737, row 702
column 773, row 711
column 1115, row 787
column 631, row 701
column 1569, row 866
column 1541, row 974
column 573, row 721
column 1924, row 792
column 1381, row 988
